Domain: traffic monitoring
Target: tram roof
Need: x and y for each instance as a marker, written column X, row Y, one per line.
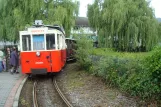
column 50, row 27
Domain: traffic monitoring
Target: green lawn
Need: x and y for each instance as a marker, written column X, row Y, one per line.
column 110, row 52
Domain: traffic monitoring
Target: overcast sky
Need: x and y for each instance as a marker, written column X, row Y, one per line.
column 156, row 4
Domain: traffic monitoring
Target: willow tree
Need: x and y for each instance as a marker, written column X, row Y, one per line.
column 159, row 29
column 127, row 25
column 18, row 14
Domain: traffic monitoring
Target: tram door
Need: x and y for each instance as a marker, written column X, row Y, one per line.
column 43, row 60
column 51, row 46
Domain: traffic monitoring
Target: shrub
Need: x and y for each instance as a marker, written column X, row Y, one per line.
column 132, row 73
column 116, row 69
column 84, row 48
column 153, row 73
column 137, row 76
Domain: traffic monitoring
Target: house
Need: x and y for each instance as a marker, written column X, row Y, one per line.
column 82, row 27
column 82, row 24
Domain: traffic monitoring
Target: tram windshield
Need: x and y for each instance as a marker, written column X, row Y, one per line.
column 38, row 42
column 50, row 41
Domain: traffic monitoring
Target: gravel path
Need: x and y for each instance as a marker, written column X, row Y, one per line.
column 85, row 90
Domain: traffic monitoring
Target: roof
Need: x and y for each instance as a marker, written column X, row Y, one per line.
column 82, row 21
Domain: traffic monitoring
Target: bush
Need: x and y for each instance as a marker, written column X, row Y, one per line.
column 131, row 72
column 139, row 77
column 84, row 48
column 153, row 73
column 114, row 69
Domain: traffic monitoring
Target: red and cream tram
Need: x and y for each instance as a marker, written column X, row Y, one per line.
column 43, row 49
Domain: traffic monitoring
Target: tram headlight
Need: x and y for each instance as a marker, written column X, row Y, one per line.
column 37, row 53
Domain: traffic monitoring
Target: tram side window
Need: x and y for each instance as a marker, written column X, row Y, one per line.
column 58, row 41
column 26, row 42
column 50, row 41
column 64, row 43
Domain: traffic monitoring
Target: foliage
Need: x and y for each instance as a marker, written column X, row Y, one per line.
column 127, row 25
column 153, row 65
column 18, row 14
column 84, row 48
column 135, row 74
column 113, row 68
column 159, row 29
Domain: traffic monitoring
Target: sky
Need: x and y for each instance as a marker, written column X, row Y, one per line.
column 155, row 4
column 83, row 7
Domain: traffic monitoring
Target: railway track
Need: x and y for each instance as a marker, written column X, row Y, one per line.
column 61, row 94
column 34, row 95
column 35, row 101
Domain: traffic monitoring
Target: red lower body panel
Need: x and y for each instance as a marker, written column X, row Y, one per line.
column 50, row 61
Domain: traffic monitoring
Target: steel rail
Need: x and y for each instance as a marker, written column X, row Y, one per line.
column 61, row 94
column 34, row 95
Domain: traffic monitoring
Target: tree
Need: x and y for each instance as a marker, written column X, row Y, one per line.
column 17, row 14
column 127, row 25
column 84, row 49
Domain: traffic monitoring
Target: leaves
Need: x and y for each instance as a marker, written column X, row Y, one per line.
column 127, row 25
column 17, row 14
column 134, row 74
column 84, row 48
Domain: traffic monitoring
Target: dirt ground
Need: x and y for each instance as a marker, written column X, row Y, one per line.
column 85, row 90
column 26, row 95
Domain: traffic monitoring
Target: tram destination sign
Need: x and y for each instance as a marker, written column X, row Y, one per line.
column 37, row 30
